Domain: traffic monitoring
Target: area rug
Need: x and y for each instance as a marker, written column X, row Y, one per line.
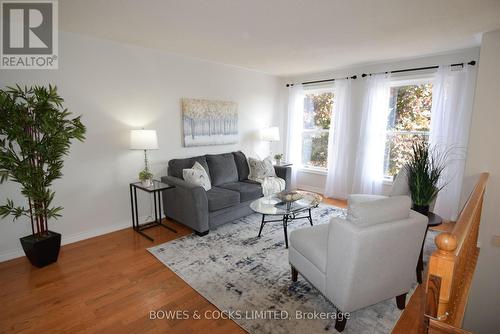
column 249, row 279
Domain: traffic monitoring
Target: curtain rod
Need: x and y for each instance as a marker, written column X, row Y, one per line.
column 321, row 81
column 472, row 63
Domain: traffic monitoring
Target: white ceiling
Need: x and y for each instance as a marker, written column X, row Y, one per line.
column 287, row 37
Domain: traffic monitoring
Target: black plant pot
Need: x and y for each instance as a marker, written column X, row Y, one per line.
column 423, row 209
column 42, row 250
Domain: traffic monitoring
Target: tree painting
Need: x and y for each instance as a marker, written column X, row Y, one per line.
column 209, row 122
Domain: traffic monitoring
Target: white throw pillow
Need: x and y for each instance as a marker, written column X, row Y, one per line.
column 380, row 210
column 259, row 170
column 197, row 176
column 400, row 185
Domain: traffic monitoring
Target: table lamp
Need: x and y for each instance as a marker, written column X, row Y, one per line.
column 144, row 140
column 272, row 134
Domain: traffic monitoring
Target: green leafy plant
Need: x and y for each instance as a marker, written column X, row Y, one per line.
column 424, row 169
column 35, row 135
column 145, row 175
column 278, row 156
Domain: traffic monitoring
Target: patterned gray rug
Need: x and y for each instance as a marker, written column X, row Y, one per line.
column 250, row 276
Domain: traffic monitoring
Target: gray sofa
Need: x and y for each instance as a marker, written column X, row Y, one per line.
column 230, row 196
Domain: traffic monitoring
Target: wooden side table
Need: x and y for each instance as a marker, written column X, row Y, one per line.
column 434, row 220
column 157, row 189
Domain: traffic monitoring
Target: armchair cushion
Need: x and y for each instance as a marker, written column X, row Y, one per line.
column 400, row 185
column 359, row 198
column 380, row 210
column 312, row 243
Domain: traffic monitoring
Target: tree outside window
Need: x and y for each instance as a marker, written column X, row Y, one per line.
column 316, row 126
column 409, row 120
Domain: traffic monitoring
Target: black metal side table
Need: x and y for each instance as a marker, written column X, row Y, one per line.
column 156, row 189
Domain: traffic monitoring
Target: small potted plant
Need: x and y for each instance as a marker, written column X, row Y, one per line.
column 35, row 135
column 424, row 170
column 277, row 158
column 146, row 177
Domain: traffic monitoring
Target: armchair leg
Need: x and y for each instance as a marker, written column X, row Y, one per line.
column 340, row 321
column 295, row 274
column 401, row 301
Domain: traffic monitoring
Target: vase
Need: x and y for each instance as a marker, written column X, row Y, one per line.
column 278, row 162
column 423, row 209
column 147, row 183
column 42, row 250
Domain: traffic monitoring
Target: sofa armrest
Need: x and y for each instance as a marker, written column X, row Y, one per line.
column 285, row 173
column 186, row 203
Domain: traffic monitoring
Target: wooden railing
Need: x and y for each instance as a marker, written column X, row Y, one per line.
column 451, row 267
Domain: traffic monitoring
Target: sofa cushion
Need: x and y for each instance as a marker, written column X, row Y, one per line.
column 222, row 168
column 260, row 169
column 197, row 176
column 312, row 243
column 380, row 210
column 241, row 165
column 175, row 166
column 248, row 191
column 219, row 198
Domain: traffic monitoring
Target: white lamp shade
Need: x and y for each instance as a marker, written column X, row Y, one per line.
column 143, row 140
column 270, row 134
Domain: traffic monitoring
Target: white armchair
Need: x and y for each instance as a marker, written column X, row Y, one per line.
column 361, row 261
column 399, row 187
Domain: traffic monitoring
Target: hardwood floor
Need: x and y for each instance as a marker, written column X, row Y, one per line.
column 109, row 284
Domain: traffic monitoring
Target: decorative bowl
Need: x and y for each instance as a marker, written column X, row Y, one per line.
column 289, row 196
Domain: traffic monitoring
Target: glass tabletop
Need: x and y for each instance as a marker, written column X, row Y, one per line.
column 156, row 186
column 272, row 205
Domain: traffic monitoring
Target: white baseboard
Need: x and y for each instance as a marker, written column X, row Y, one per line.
column 18, row 252
column 310, row 188
column 94, row 233
column 11, row 254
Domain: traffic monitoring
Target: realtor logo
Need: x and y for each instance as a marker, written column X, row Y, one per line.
column 29, row 34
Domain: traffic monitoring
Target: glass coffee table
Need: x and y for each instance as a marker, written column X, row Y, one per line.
column 273, row 206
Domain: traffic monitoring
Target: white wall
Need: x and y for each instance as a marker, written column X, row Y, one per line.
column 119, row 87
column 482, row 314
column 316, row 181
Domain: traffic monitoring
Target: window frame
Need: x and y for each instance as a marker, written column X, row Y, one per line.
column 322, row 88
column 399, row 81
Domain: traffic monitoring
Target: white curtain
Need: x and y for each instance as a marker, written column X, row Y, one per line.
column 294, row 130
column 339, row 142
column 452, row 99
column 369, row 166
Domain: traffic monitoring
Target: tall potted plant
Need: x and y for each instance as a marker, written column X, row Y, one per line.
column 424, row 170
column 35, row 135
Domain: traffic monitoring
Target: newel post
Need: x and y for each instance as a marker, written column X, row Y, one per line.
column 442, row 264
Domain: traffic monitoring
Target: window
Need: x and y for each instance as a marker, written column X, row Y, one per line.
column 316, row 126
column 409, row 120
